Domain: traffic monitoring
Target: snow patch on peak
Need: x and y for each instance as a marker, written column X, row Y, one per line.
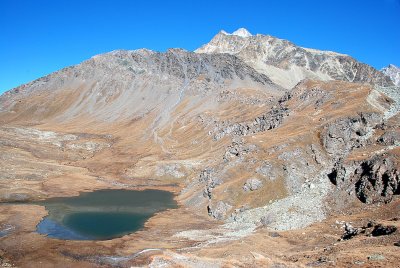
column 242, row 32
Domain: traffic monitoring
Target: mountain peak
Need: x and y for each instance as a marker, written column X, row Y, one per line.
column 242, row 32
column 393, row 72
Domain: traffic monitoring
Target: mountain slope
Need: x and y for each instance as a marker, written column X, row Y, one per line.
column 287, row 64
column 122, row 85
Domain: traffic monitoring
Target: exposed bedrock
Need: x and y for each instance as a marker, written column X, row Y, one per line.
column 269, row 120
column 390, row 138
column 373, row 180
column 377, row 180
column 340, row 137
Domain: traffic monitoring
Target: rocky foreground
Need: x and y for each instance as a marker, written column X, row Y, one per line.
column 280, row 156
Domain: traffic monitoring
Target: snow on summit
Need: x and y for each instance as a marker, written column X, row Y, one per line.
column 242, row 32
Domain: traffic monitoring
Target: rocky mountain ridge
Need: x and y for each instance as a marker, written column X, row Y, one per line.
column 287, row 64
column 113, row 81
column 393, row 72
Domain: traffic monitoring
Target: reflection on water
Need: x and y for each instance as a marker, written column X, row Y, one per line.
column 103, row 214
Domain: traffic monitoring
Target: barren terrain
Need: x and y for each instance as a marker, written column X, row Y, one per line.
column 264, row 176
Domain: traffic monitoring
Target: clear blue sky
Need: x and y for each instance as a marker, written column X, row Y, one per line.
column 38, row 37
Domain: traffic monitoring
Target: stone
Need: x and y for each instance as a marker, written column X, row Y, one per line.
column 252, row 185
column 383, row 230
column 350, row 231
column 376, row 257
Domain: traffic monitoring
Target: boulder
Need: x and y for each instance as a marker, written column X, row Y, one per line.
column 252, row 185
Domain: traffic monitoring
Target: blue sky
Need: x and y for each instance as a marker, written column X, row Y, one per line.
column 38, row 37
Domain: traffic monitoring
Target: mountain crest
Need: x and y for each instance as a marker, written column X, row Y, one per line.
column 287, row 64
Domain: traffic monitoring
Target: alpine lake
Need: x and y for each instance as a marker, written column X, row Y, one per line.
column 102, row 214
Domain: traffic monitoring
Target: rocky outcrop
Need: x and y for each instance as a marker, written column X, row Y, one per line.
column 264, row 122
column 219, row 210
column 338, row 174
column 173, row 170
column 266, row 170
column 377, row 180
column 393, row 72
column 252, row 185
column 370, row 229
column 209, row 178
column 238, row 148
column 390, row 138
column 374, row 180
column 343, row 135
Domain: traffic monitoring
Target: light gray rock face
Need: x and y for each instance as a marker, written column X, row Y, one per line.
column 264, row 122
column 210, row 178
column 266, row 170
column 345, row 134
column 219, row 210
column 252, row 185
column 287, row 64
column 173, row 170
column 393, row 72
column 391, row 137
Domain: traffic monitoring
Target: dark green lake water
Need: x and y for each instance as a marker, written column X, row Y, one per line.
column 102, row 215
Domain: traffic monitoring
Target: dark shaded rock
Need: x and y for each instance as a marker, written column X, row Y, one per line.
column 337, row 174
column 383, row 230
column 377, row 180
